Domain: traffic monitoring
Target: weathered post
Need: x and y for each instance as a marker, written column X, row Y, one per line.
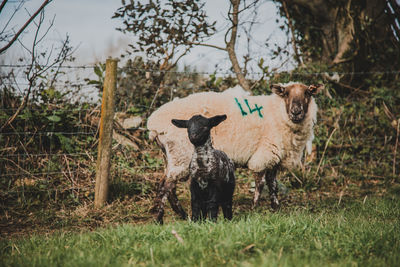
column 106, row 130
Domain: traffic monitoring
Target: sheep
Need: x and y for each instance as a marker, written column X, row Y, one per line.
column 211, row 172
column 264, row 133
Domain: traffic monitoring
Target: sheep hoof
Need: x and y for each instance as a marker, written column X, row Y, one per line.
column 160, row 217
column 154, row 209
column 183, row 216
column 275, row 205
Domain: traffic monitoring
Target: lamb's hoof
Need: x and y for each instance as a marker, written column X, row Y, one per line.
column 154, row 209
column 184, row 216
column 160, row 217
column 275, row 205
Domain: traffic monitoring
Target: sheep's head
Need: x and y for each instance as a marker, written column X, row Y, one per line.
column 297, row 97
column 199, row 127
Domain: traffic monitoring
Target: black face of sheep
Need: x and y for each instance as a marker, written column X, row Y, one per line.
column 297, row 97
column 199, row 127
column 211, row 172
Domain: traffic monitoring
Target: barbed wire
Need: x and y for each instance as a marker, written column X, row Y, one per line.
column 48, row 133
column 54, row 84
column 51, row 67
column 143, row 165
column 50, row 154
column 70, row 172
column 31, row 190
column 223, row 72
column 95, row 109
column 65, row 154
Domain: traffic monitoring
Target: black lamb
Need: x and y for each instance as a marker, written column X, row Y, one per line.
column 211, row 172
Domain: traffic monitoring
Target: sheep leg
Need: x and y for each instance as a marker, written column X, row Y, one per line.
column 227, row 209
column 260, row 182
column 226, row 200
column 167, row 191
column 212, row 203
column 159, row 201
column 196, row 202
column 175, row 204
column 270, row 177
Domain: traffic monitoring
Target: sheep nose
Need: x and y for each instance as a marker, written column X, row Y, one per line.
column 296, row 110
column 193, row 136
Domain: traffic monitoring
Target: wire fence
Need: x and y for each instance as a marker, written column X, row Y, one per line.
column 218, row 72
column 21, row 160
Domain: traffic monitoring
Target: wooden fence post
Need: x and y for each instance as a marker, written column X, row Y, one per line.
column 106, row 131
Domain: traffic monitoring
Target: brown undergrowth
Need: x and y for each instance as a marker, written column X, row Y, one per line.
column 355, row 156
column 135, row 209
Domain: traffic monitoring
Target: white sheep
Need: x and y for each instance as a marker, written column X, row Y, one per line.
column 263, row 133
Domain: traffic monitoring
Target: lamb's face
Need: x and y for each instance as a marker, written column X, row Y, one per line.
column 297, row 98
column 199, row 127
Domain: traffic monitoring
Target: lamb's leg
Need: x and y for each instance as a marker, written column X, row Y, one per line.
column 196, row 202
column 227, row 209
column 226, row 199
column 203, row 208
column 270, row 177
column 260, row 182
column 175, row 204
column 212, row 203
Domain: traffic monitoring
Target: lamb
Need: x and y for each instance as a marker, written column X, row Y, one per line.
column 264, row 133
column 211, row 172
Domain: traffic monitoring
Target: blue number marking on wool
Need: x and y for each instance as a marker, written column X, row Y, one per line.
column 244, row 113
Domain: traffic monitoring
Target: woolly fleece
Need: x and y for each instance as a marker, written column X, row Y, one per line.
column 249, row 140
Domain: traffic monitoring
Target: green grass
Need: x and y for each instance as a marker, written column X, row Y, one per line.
column 355, row 233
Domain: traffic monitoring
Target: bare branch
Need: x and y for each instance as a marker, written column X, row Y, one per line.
column 179, row 57
column 11, row 17
column 208, row 45
column 297, row 56
column 249, row 6
column 22, row 29
column 3, row 4
column 36, row 69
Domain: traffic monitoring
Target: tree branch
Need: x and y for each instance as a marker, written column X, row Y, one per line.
column 3, row 4
column 291, row 28
column 208, row 45
column 22, row 29
column 346, row 36
column 36, row 69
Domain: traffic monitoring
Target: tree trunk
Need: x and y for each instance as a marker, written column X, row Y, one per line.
column 230, row 46
column 336, row 32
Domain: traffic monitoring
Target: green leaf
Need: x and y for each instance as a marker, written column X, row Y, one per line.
column 98, row 71
column 54, row 118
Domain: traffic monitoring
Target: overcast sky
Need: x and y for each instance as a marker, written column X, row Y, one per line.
column 93, row 33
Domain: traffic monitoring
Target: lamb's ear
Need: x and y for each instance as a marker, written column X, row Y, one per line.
column 214, row 121
column 179, row 123
column 315, row 89
column 278, row 89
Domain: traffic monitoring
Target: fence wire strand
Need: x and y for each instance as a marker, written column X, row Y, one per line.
column 118, row 167
column 222, row 72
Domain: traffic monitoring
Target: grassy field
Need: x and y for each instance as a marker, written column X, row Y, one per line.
column 356, row 232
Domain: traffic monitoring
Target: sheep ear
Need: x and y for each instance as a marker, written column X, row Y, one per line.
column 214, row 121
column 179, row 123
column 315, row 89
column 278, row 89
